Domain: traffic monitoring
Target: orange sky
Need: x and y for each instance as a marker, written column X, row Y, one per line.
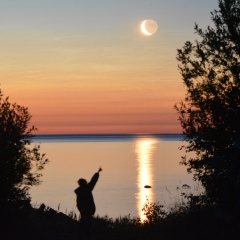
column 91, row 71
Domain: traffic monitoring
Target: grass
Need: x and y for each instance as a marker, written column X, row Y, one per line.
column 182, row 221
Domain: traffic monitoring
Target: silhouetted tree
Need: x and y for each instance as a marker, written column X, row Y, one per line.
column 210, row 113
column 20, row 162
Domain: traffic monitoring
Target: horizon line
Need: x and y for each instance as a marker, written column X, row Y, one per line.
column 107, row 134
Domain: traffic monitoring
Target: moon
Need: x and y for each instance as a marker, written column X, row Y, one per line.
column 149, row 27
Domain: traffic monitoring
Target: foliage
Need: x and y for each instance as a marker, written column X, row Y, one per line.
column 154, row 212
column 210, row 113
column 182, row 222
column 20, row 162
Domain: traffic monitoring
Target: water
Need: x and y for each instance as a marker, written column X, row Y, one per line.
column 129, row 163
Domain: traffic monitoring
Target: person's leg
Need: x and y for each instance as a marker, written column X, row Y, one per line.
column 88, row 227
column 82, row 227
column 85, row 227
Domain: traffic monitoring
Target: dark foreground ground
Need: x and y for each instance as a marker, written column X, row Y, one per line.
column 48, row 224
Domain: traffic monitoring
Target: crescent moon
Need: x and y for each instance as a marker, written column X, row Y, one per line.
column 143, row 28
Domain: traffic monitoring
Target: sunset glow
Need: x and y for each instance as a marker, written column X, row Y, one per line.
column 81, row 68
column 144, row 149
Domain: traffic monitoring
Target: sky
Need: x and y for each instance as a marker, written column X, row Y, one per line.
column 84, row 66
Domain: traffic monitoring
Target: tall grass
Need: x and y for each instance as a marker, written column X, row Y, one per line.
column 187, row 219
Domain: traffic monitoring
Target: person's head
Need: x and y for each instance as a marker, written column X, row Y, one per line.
column 82, row 182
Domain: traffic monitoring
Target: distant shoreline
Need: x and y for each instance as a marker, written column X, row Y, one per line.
column 104, row 137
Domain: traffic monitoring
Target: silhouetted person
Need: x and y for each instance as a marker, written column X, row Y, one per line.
column 85, row 204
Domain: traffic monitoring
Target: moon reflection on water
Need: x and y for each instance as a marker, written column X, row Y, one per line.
column 144, row 149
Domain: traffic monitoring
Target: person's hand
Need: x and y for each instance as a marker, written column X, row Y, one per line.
column 99, row 170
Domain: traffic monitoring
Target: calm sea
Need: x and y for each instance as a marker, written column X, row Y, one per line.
column 129, row 162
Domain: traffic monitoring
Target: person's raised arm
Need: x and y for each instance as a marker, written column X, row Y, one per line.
column 94, row 179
